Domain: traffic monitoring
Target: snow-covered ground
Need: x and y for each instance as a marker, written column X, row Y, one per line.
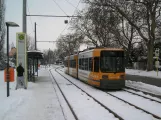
column 126, row 111
column 38, row 102
column 84, row 107
column 152, row 74
column 142, row 86
column 43, row 101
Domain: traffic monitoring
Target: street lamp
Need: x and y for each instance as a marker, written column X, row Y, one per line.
column 9, row 24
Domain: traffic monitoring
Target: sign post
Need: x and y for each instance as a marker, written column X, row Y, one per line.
column 22, row 53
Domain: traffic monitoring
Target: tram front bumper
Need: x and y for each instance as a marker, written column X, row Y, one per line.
column 112, row 84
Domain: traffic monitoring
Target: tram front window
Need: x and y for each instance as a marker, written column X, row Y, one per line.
column 112, row 61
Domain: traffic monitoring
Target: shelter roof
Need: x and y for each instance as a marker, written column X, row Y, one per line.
column 35, row 54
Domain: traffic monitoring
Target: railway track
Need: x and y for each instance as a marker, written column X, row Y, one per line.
column 74, row 114
column 116, row 115
column 137, row 90
column 155, row 99
column 146, row 93
column 105, row 107
column 138, row 107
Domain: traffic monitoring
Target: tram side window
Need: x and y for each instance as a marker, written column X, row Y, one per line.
column 85, row 63
column 80, row 63
column 74, row 63
column 70, row 63
column 90, row 63
column 96, row 64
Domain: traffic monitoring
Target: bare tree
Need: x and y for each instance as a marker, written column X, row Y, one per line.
column 105, row 27
column 145, row 24
column 30, row 43
column 81, row 25
column 69, row 43
column 2, row 27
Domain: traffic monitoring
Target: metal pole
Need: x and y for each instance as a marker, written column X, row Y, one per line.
column 24, row 24
column 35, row 37
column 49, row 57
column 30, row 70
column 7, row 77
column 157, row 67
column 37, row 66
column 1, row 14
column 33, row 69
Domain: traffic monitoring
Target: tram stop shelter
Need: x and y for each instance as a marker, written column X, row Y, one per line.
column 33, row 63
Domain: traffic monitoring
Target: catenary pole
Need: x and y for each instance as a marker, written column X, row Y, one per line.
column 24, row 24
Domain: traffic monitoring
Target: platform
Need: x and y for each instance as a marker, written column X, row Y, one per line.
column 38, row 102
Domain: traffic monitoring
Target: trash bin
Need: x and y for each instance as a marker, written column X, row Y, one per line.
column 11, row 74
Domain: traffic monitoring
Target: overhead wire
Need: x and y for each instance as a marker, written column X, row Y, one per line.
column 67, row 24
column 70, row 20
column 77, row 7
column 71, row 4
column 59, row 7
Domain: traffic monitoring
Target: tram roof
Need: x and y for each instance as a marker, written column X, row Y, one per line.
column 35, row 54
column 95, row 49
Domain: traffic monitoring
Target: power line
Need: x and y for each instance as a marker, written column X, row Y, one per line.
column 59, row 7
column 70, row 20
column 62, row 32
column 51, row 16
column 71, row 4
column 77, row 6
column 47, row 41
column 31, row 32
column 58, row 16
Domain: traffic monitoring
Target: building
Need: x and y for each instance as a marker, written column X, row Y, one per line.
column 12, row 52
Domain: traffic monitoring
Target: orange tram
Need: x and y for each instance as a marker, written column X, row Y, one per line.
column 100, row 67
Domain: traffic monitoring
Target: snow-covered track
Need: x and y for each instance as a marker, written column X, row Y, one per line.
column 138, row 107
column 123, row 109
column 74, row 114
column 144, row 96
column 147, row 93
column 115, row 114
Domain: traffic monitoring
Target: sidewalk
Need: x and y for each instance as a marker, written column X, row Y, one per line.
column 38, row 102
column 144, row 76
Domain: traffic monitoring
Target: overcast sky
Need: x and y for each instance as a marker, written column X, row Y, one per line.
column 48, row 29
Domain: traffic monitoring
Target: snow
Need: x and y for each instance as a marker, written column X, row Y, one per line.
column 142, row 94
column 43, row 101
column 125, row 110
column 146, row 104
column 85, row 107
column 144, row 87
column 152, row 74
column 38, row 102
